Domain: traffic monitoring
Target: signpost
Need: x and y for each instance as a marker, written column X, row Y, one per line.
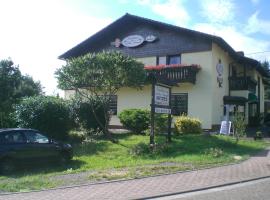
column 161, row 103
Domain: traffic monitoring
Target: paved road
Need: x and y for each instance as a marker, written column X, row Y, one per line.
column 254, row 190
column 255, row 167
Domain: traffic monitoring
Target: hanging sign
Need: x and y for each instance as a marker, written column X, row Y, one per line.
column 163, row 110
column 162, row 95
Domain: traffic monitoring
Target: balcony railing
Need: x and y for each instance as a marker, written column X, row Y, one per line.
column 242, row 83
column 177, row 73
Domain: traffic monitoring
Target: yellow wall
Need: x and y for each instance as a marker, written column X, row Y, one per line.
column 205, row 97
column 219, row 92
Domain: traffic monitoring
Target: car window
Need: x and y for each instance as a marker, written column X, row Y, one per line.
column 12, row 137
column 35, row 137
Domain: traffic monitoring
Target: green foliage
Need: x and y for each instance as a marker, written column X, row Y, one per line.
column 136, row 120
column 13, row 87
column 101, row 74
column 105, row 71
column 88, row 113
column 75, row 137
column 239, row 125
column 161, row 123
column 187, row 125
column 48, row 114
column 214, row 152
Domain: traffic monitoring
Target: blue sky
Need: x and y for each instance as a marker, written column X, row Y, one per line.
column 35, row 32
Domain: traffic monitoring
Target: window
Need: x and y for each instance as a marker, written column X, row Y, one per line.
column 34, row 137
column 179, row 103
column 168, row 60
column 176, row 59
column 14, row 137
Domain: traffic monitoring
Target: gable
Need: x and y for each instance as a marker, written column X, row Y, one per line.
column 170, row 39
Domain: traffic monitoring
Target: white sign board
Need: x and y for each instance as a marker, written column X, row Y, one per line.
column 133, row 41
column 163, row 110
column 225, row 127
column 162, row 96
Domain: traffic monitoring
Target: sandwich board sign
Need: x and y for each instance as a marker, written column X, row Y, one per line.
column 225, row 127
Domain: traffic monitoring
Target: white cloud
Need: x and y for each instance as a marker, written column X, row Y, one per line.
column 239, row 41
column 256, row 25
column 173, row 10
column 255, row 2
column 218, row 11
column 35, row 33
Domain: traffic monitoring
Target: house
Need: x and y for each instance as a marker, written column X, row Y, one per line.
column 209, row 72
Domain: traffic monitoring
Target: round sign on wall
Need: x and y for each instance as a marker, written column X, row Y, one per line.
column 132, row 41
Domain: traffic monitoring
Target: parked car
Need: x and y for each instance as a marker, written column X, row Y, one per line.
column 25, row 146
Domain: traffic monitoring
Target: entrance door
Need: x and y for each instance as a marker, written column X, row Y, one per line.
column 253, row 119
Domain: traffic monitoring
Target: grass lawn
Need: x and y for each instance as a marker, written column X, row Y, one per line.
column 100, row 159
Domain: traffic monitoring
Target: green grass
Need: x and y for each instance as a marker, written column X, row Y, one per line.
column 131, row 157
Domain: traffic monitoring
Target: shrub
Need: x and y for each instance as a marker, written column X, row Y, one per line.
column 161, row 123
column 239, row 125
column 187, row 125
column 47, row 114
column 136, row 120
column 84, row 116
column 76, row 137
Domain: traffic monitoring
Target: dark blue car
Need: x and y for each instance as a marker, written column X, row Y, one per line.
column 25, row 146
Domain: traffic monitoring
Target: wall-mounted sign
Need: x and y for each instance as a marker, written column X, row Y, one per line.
column 219, row 68
column 150, row 38
column 162, row 96
column 133, row 40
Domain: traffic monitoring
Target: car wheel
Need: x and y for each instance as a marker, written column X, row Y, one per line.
column 7, row 166
column 64, row 158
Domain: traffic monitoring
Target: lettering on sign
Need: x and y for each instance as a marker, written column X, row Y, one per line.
column 225, row 127
column 162, row 96
column 133, row 41
column 163, row 110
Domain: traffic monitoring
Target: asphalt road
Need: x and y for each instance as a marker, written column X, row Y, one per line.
column 254, row 190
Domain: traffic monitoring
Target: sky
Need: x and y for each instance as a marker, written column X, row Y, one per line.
column 34, row 33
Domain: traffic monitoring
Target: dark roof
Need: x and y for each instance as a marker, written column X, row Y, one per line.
column 89, row 43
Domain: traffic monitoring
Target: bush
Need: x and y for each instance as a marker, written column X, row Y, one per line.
column 84, row 116
column 161, row 123
column 76, row 137
column 48, row 114
column 239, row 125
column 187, row 125
column 136, row 120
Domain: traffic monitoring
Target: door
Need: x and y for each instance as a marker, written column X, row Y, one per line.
column 39, row 146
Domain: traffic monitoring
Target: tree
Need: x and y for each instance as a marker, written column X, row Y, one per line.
column 98, row 76
column 265, row 64
column 13, row 87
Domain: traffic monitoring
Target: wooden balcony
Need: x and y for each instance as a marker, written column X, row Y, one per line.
column 177, row 73
column 242, row 83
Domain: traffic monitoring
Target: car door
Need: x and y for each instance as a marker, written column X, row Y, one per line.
column 14, row 145
column 40, row 147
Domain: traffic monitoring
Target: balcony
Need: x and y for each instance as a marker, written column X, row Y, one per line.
column 177, row 73
column 242, row 83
